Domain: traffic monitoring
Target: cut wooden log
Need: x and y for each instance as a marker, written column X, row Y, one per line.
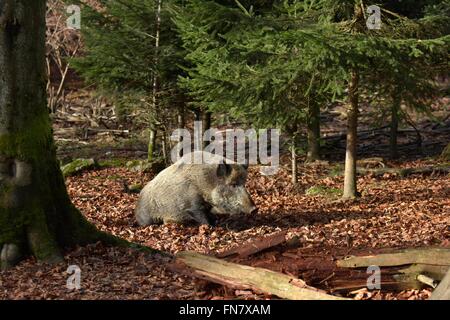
column 403, row 172
column 349, row 285
column 432, row 271
column 254, row 246
column 432, row 256
column 112, row 131
column 442, row 292
column 244, row 277
column 426, row 267
column 371, row 162
column 77, row 166
column 392, row 279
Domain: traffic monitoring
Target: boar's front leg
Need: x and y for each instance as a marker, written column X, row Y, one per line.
column 199, row 216
column 212, row 218
column 200, row 212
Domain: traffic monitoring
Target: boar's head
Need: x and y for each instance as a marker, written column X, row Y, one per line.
column 230, row 196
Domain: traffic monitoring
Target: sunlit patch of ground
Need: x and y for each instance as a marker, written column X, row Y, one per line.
column 393, row 212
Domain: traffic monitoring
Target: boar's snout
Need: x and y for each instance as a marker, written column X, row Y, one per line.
column 250, row 207
column 232, row 200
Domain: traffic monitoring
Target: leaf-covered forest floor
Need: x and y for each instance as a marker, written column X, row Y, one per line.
column 393, row 212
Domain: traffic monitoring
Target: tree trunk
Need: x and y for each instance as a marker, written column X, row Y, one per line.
column 155, row 89
column 181, row 119
column 36, row 214
column 313, row 153
column 396, row 101
column 293, row 149
column 181, row 122
column 198, row 115
column 198, row 129
column 206, row 126
column 151, row 144
column 350, row 188
column 293, row 164
column 164, row 147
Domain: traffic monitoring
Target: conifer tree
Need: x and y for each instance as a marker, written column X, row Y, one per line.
column 262, row 64
column 245, row 62
column 132, row 54
column 413, row 85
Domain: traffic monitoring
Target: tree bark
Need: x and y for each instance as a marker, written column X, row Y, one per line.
column 350, row 187
column 36, row 214
column 396, row 101
column 313, row 130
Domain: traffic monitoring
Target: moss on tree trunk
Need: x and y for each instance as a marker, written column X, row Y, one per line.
column 36, row 214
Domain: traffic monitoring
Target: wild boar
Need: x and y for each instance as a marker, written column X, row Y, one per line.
column 188, row 192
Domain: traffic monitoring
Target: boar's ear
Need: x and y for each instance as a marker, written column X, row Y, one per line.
column 223, row 170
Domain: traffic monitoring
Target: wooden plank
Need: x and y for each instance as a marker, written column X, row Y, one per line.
column 433, row 271
column 434, row 256
column 442, row 292
column 244, row 277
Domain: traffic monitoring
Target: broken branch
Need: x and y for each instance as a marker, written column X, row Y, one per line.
column 255, row 245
